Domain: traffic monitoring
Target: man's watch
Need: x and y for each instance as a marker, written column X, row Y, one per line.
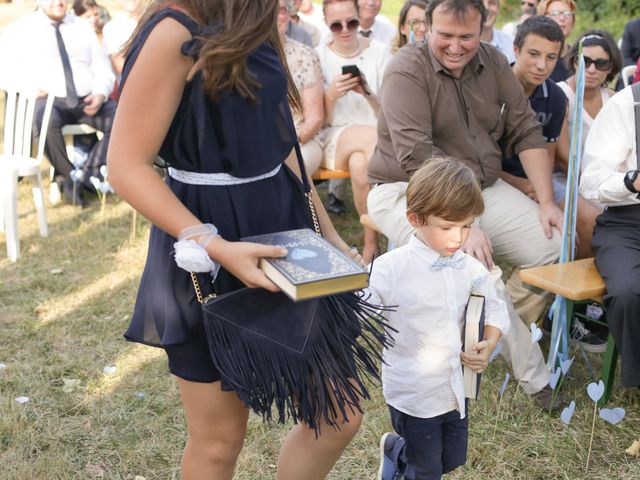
column 629, row 179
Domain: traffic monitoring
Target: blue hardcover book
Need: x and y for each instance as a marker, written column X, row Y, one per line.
column 473, row 333
column 312, row 268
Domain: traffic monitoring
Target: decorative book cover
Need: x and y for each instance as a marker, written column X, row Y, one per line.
column 312, row 268
column 473, row 333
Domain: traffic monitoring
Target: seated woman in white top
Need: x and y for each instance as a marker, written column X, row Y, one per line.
column 304, row 65
column 603, row 61
column 351, row 104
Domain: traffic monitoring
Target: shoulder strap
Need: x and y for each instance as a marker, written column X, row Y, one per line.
column 635, row 89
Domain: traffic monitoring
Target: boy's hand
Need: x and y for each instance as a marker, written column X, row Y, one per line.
column 479, row 359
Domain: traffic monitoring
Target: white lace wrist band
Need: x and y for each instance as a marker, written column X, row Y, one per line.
column 192, row 256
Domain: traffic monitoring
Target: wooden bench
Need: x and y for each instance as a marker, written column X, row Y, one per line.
column 577, row 281
column 325, row 174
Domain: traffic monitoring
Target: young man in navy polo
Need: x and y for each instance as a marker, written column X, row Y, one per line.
column 537, row 47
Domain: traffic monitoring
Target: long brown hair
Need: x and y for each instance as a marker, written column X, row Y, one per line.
column 244, row 26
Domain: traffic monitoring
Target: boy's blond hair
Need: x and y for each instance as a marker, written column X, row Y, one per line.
column 446, row 188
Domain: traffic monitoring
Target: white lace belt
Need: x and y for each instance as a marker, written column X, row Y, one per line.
column 197, row 178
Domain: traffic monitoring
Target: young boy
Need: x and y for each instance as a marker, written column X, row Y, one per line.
column 429, row 281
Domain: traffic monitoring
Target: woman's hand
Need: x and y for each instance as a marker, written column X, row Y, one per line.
column 341, row 84
column 363, row 87
column 241, row 259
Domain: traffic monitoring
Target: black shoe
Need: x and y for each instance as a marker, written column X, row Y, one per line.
column 71, row 195
column 589, row 340
column 335, row 205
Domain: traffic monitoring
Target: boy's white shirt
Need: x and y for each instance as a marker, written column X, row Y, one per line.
column 422, row 372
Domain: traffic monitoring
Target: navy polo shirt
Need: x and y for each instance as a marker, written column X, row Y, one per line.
column 549, row 103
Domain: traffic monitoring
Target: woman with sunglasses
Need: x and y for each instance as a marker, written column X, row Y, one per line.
column 603, row 61
column 351, row 105
column 564, row 13
column 412, row 23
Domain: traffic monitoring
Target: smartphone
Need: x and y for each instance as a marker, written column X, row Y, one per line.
column 352, row 69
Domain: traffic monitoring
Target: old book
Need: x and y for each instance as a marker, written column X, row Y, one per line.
column 473, row 333
column 312, row 268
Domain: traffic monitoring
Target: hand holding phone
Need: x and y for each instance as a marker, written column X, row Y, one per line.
column 352, row 69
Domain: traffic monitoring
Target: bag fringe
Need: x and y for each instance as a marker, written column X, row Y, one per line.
column 344, row 350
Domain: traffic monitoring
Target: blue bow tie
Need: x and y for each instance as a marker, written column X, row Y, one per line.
column 456, row 261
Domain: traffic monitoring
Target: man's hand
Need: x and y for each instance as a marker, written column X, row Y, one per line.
column 522, row 184
column 479, row 246
column 551, row 216
column 93, row 104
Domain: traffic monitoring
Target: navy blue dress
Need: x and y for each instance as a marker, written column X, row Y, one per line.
column 230, row 136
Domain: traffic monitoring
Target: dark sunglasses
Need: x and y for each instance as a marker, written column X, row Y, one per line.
column 601, row 64
column 351, row 25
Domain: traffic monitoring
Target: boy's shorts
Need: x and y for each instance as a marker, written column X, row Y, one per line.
column 433, row 446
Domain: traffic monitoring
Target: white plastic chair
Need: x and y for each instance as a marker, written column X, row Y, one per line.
column 16, row 161
column 628, row 71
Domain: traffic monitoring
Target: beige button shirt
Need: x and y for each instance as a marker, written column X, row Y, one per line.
column 425, row 111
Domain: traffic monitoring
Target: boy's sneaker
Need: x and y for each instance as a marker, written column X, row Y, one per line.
column 388, row 469
column 590, row 341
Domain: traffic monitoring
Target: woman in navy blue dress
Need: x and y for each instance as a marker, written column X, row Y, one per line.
column 204, row 91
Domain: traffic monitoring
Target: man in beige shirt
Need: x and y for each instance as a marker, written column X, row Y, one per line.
column 453, row 95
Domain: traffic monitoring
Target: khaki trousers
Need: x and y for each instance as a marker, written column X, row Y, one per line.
column 511, row 221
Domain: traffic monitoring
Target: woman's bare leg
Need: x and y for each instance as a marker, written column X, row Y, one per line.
column 354, row 149
column 216, row 422
column 303, row 456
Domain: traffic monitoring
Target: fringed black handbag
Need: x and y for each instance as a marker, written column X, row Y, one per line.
column 308, row 359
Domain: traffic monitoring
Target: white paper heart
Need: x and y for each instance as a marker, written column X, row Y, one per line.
column 104, row 187
column 109, row 369
column 496, row 352
column 567, row 412
column 104, row 172
column 553, row 379
column 3, row 366
column 140, row 395
column 536, row 333
column 566, row 365
column 22, row 400
column 612, row 415
column 76, row 175
column 95, row 181
column 302, row 253
column 595, row 390
column 505, row 383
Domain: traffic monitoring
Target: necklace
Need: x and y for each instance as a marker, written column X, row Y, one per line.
column 348, row 55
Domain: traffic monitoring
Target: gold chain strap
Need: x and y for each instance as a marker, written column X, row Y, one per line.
column 314, row 216
column 194, row 279
column 196, row 287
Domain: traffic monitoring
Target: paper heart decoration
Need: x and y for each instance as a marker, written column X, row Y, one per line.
column 302, row 253
column 95, row 181
column 567, row 412
column 3, row 366
column 566, row 365
column 109, row 369
column 104, row 187
column 103, row 172
column 22, row 400
column 595, row 390
column 496, row 352
column 553, row 379
column 536, row 333
column 140, row 395
column 76, row 175
column 505, row 383
column 612, row 415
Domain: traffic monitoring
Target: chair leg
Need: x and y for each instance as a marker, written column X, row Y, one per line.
column 38, row 199
column 609, row 370
column 10, row 212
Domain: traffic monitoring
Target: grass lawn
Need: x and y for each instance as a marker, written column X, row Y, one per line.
column 66, row 302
